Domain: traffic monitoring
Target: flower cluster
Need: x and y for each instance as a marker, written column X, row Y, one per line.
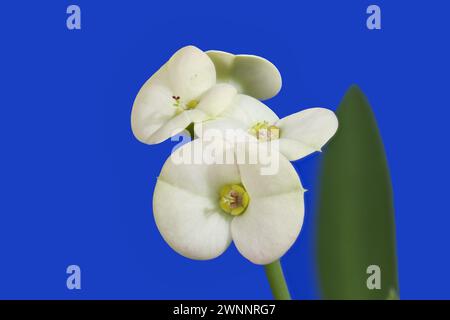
column 201, row 207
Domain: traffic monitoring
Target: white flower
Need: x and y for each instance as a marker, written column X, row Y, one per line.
column 185, row 90
column 200, row 208
column 182, row 91
column 297, row 135
column 251, row 75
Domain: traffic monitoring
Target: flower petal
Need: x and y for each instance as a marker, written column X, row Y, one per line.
column 192, row 225
column 268, row 228
column 274, row 217
column 185, row 203
column 170, row 128
column 305, row 132
column 152, row 108
column 229, row 129
column 189, row 168
column 160, row 77
column 283, row 178
column 217, row 99
column 249, row 110
column 191, row 72
column 252, row 75
column 196, row 115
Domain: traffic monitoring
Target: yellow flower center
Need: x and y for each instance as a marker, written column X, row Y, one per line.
column 191, row 104
column 265, row 132
column 178, row 103
column 234, row 199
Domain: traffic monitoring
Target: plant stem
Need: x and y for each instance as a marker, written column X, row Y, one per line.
column 275, row 275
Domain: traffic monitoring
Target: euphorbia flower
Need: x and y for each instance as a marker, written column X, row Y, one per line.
column 182, row 91
column 200, row 208
column 250, row 74
column 297, row 135
column 187, row 89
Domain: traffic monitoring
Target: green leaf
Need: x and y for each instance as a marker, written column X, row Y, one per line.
column 355, row 218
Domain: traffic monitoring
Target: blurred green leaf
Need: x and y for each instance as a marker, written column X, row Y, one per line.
column 355, row 219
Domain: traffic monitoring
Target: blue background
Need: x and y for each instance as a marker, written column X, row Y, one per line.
column 76, row 186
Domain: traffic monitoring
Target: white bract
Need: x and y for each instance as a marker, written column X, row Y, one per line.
column 297, row 135
column 251, row 75
column 187, row 89
column 201, row 208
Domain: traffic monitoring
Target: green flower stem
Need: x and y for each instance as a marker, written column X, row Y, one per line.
column 275, row 275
